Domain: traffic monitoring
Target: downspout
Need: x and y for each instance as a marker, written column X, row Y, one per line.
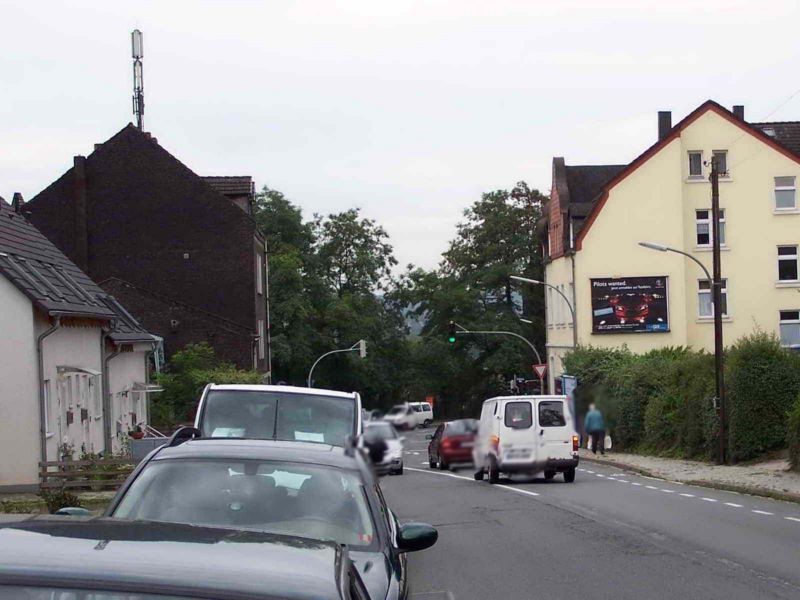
column 107, row 446
column 268, row 332
column 40, row 364
column 574, row 304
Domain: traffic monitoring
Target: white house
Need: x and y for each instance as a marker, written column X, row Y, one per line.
column 73, row 362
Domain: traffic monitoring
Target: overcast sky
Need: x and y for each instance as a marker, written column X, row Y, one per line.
column 408, row 110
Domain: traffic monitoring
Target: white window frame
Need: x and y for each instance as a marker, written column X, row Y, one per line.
column 789, row 257
column 788, row 321
column 96, row 398
column 724, row 174
column 708, row 220
column 48, row 395
column 259, row 273
column 702, row 291
column 689, row 164
column 261, row 342
column 784, row 188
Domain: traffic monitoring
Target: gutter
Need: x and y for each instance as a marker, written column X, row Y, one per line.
column 42, row 407
column 107, row 446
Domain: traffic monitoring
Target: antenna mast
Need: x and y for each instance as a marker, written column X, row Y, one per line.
column 137, row 47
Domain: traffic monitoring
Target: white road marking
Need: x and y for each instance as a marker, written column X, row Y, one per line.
column 636, row 484
column 709, row 499
column 668, row 491
column 588, row 471
column 415, row 453
column 733, row 504
column 622, row 480
column 423, row 463
column 519, row 491
column 454, row 476
column 762, row 512
column 688, row 495
column 651, row 487
column 600, row 475
column 792, row 519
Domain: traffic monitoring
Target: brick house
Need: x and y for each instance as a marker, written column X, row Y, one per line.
column 172, row 243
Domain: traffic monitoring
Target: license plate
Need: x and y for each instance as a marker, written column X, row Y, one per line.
column 467, row 444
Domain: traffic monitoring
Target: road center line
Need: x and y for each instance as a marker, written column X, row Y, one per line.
column 668, row 491
column 709, row 499
column 792, row 519
column 454, row 476
column 636, row 484
column 762, row 512
column 687, row 495
column 733, row 504
column 651, row 487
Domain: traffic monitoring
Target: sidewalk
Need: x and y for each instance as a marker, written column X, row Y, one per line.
column 771, row 478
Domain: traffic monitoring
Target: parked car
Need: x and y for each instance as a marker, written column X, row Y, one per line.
column 57, row 558
column 392, row 462
column 302, row 489
column 526, row 434
column 279, row 412
column 410, row 415
column 452, row 443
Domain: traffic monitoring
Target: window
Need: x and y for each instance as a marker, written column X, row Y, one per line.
column 695, row 164
column 785, row 191
column 551, row 414
column 47, row 408
column 259, row 273
column 261, row 336
column 787, row 263
column 519, row 415
column 704, row 234
column 705, row 300
column 95, row 397
column 790, row 327
column 722, row 162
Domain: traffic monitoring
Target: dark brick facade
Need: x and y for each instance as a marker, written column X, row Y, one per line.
column 152, row 222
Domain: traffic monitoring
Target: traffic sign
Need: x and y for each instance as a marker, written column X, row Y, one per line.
column 540, row 370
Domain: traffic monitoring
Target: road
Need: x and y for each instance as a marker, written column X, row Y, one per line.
column 611, row 534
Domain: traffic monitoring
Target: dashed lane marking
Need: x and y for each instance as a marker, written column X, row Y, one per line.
column 687, row 495
column 668, row 491
column 588, row 471
column 792, row 519
column 600, row 475
column 709, row 499
column 651, row 487
column 762, row 512
column 733, row 504
column 636, row 484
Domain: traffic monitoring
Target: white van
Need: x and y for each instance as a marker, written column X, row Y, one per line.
column 526, row 434
column 410, row 415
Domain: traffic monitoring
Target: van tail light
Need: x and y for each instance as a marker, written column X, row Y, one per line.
column 575, row 443
column 494, row 442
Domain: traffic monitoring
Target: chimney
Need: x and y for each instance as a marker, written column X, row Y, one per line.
column 738, row 111
column 664, row 123
column 80, row 253
column 17, row 203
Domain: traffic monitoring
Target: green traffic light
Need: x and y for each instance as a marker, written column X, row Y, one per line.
column 451, row 339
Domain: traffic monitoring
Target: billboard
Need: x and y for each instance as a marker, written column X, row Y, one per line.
column 630, row 305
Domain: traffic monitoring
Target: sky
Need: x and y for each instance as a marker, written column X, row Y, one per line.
column 408, row 110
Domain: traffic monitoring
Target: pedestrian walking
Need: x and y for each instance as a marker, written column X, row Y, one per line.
column 596, row 428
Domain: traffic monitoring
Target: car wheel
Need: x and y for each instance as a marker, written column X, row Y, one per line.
column 478, row 475
column 494, row 472
column 431, row 463
column 443, row 466
column 427, row 423
column 569, row 475
column 549, row 475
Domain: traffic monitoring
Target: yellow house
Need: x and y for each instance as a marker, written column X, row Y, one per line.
column 626, row 294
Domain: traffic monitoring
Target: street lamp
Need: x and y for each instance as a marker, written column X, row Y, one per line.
column 719, row 352
column 569, row 304
column 360, row 346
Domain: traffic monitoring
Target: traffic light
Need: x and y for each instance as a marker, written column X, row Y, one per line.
column 451, row 333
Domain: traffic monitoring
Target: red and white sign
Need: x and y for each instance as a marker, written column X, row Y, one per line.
column 540, row 370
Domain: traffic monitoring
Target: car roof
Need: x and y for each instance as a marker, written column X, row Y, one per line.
column 550, row 397
column 200, row 562
column 236, row 448
column 285, row 389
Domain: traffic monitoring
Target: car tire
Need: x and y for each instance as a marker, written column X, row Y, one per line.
column 443, row 466
column 399, row 471
column 478, row 475
column 427, row 423
column 494, row 472
column 548, row 475
column 431, row 463
column 569, row 475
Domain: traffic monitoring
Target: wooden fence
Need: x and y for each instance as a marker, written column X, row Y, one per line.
column 98, row 474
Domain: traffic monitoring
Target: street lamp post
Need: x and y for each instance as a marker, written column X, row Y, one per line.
column 360, row 346
column 569, row 304
column 716, row 286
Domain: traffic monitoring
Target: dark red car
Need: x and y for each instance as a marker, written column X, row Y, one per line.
column 451, row 443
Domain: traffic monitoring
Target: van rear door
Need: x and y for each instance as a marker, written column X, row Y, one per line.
column 518, row 439
column 554, row 429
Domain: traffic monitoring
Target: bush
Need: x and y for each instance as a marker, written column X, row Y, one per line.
column 793, row 436
column 59, row 498
column 763, row 382
column 187, row 373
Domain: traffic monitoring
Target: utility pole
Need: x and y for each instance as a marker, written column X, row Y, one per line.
column 719, row 348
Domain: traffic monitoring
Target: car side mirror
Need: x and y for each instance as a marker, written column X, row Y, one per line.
column 416, row 536
column 429, row 437
column 73, row 511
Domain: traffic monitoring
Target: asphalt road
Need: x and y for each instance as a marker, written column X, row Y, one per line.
column 611, row 534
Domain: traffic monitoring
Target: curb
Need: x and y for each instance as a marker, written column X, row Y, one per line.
column 727, row 487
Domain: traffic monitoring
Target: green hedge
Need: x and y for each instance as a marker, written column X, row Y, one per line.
column 793, row 436
column 662, row 401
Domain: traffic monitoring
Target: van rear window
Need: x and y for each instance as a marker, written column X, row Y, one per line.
column 519, row 415
column 551, row 414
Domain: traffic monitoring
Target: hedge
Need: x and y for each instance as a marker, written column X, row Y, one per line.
column 793, row 436
column 662, row 401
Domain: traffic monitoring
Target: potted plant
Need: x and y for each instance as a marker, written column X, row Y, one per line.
column 136, row 433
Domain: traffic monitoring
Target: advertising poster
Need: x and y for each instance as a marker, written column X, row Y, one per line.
column 630, row 305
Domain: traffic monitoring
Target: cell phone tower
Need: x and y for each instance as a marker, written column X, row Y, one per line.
column 137, row 47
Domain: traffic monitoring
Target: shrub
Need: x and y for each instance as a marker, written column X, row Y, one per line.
column 763, row 384
column 793, row 436
column 59, row 498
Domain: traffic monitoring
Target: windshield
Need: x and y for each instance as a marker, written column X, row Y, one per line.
column 379, row 431
column 310, row 501
column 278, row 415
column 461, row 427
column 397, row 410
